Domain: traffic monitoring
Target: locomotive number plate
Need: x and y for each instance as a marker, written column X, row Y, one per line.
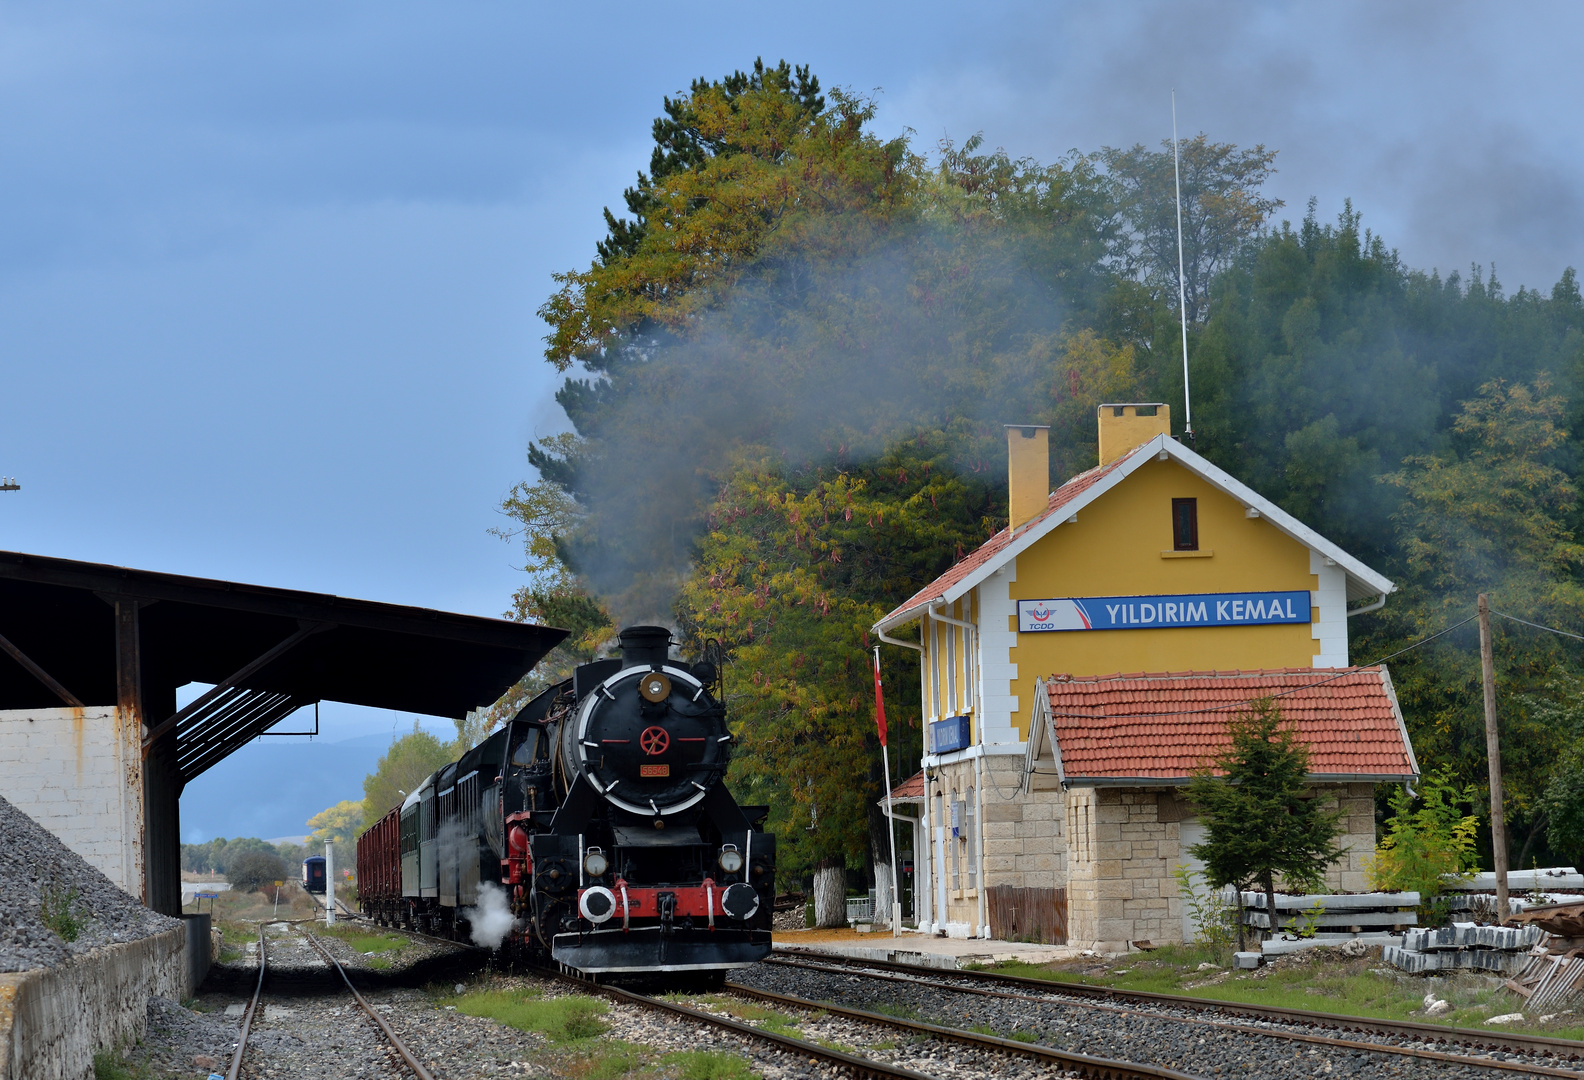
column 654, row 770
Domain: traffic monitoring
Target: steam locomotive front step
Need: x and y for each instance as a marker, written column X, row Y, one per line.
column 647, row 949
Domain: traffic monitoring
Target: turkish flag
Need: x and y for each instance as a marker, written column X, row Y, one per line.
column 879, row 699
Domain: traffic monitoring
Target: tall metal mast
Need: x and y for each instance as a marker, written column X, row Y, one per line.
column 1182, row 281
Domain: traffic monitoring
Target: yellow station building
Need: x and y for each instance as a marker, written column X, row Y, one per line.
column 1078, row 665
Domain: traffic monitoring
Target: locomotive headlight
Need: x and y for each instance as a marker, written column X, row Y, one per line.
column 731, row 859
column 594, row 863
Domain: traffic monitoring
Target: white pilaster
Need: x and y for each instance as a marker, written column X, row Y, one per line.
column 998, row 611
column 1330, row 629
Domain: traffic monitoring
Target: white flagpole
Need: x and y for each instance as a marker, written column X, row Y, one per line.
column 1182, row 287
column 885, row 758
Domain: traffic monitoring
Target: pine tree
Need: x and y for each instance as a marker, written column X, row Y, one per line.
column 1258, row 822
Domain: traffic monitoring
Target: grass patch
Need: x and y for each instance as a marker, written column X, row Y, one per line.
column 1319, row 981
column 58, row 911
column 108, row 1066
column 362, row 940
column 707, row 1065
column 840, row 1048
column 238, row 934
column 1028, row 1036
column 609, row 1064
column 901, row 1012
column 757, row 1014
column 562, row 1020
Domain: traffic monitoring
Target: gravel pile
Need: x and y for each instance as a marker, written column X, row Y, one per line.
column 34, row 863
column 1188, row 1042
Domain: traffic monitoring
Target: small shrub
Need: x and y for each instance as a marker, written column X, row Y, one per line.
column 57, row 910
column 1426, row 849
column 1309, row 921
column 1216, row 919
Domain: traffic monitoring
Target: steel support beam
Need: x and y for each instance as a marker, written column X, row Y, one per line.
column 39, row 673
column 247, row 671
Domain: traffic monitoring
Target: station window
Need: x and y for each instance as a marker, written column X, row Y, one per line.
column 1185, row 524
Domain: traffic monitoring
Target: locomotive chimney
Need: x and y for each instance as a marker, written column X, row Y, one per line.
column 645, row 646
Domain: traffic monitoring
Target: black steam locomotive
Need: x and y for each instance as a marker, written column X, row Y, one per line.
column 594, row 827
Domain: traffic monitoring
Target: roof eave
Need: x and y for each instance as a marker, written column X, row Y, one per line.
column 1183, row 781
column 1375, row 581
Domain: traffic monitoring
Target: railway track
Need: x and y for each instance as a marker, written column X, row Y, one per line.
column 250, row 1014
column 978, row 1053
column 1478, row 1050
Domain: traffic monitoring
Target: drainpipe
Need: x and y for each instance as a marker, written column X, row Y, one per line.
column 1376, row 606
column 979, row 853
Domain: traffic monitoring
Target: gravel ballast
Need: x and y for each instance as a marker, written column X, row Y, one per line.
column 33, row 862
column 1188, row 1042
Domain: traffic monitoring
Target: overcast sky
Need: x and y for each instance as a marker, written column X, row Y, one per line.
column 268, row 273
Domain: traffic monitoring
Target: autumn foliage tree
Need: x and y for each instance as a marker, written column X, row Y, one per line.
column 796, row 566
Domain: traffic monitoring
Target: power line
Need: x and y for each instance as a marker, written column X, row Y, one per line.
column 1537, row 626
column 1295, row 690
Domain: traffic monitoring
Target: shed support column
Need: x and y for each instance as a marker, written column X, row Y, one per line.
column 159, row 790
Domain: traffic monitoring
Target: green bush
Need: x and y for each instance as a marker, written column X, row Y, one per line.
column 1425, row 850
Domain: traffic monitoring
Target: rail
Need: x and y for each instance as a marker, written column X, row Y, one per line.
column 400, row 1047
column 1110, row 997
column 1095, row 1068
column 251, row 1012
column 247, row 1016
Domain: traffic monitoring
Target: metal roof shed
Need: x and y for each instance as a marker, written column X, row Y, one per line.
column 86, row 634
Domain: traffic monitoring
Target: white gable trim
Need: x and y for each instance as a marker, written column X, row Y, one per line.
column 1042, row 734
column 1362, row 581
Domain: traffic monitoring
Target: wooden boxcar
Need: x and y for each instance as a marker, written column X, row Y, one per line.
column 379, row 870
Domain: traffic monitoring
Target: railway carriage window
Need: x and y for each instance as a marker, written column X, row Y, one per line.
column 527, row 749
column 1185, row 524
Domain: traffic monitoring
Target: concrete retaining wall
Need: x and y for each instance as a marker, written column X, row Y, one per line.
column 54, row 1020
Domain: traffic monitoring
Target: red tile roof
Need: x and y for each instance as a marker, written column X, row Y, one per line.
column 1165, row 725
column 936, row 590
column 911, row 788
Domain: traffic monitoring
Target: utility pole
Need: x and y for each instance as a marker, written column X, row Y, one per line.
column 1493, row 756
column 330, row 882
column 8, row 483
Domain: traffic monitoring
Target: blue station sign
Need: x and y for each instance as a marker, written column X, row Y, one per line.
column 1139, row 612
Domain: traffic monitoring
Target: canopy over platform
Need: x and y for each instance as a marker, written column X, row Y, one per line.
column 85, row 634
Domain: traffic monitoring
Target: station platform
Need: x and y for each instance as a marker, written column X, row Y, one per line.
column 911, row 947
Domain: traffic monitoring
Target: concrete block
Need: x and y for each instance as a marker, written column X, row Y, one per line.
column 1247, row 961
column 1003, row 812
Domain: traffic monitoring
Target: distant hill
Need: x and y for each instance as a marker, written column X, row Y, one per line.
column 271, row 787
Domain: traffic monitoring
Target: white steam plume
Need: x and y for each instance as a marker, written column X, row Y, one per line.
column 491, row 920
